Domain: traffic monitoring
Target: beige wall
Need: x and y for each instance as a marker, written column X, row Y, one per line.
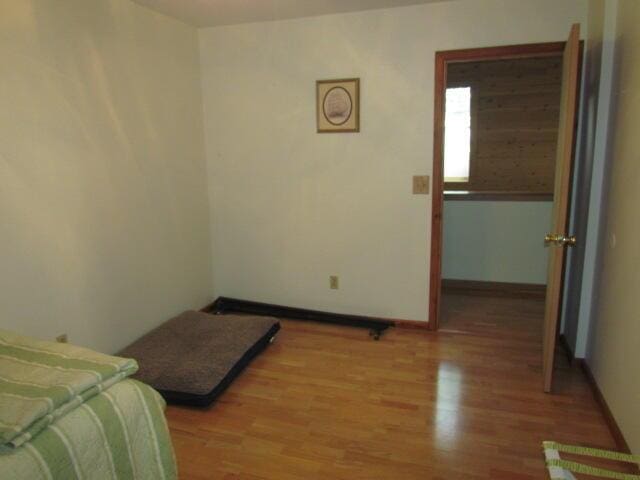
column 615, row 353
column 291, row 207
column 103, row 201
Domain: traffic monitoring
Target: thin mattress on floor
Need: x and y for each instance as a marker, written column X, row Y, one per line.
column 193, row 357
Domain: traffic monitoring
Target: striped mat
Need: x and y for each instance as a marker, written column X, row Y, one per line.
column 561, row 469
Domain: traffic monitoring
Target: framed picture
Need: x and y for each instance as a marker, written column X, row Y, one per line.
column 338, row 105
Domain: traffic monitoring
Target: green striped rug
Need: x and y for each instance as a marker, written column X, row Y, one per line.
column 560, row 469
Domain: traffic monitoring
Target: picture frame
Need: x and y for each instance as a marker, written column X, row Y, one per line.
column 338, row 105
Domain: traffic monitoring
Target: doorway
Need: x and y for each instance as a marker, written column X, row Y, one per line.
column 504, row 132
column 501, row 129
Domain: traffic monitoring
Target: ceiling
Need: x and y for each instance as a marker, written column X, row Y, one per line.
column 209, row 13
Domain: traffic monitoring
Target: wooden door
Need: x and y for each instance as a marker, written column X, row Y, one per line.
column 558, row 239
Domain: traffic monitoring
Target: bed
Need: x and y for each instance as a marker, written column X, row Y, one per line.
column 69, row 413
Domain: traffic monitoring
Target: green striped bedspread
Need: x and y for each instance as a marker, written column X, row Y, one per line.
column 119, row 434
column 42, row 381
column 67, row 412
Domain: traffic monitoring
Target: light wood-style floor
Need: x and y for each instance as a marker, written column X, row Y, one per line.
column 328, row 402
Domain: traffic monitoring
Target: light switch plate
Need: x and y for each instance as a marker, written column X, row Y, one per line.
column 421, row 184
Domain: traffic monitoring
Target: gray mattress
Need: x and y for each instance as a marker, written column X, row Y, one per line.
column 193, row 357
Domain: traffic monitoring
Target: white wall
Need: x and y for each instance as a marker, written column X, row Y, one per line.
column 103, row 198
column 291, row 207
column 614, row 355
column 495, row 241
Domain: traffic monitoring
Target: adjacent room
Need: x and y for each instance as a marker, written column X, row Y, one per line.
column 297, row 240
column 501, row 123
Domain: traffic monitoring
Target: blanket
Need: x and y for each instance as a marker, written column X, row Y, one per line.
column 41, row 382
column 120, row 434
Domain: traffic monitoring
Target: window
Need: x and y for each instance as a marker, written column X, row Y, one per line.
column 457, row 135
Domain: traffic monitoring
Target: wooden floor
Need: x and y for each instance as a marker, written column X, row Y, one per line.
column 328, row 402
column 504, row 316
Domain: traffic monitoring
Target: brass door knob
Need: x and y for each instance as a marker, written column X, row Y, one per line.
column 557, row 239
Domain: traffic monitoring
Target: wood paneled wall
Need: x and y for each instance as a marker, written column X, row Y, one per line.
column 515, row 110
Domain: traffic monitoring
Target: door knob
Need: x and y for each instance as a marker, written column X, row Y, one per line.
column 557, row 239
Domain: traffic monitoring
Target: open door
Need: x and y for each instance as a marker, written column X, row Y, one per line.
column 558, row 240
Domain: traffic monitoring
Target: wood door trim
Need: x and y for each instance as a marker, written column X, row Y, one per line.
column 412, row 324
column 494, row 289
column 442, row 59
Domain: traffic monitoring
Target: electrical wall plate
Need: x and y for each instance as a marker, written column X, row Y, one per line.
column 421, row 184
